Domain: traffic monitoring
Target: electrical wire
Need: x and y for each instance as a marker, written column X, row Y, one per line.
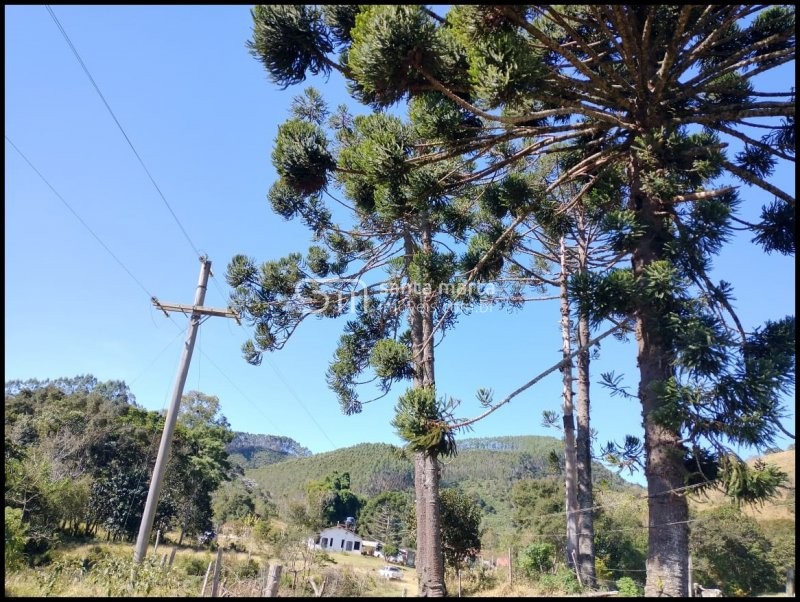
column 254, row 404
column 80, row 219
column 300, row 401
column 119, row 125
column 158, row 355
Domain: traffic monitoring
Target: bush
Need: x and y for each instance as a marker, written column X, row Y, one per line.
column 114, row 575
column 562, row 581
column 346, row 583
column 247, row 569
column 16, row 535
column 194, row 566
column 478, row 579
column 627, row 587
column 537, row 558
column 95, row 555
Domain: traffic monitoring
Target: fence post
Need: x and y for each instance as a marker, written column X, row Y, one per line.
column 217, row 570
column 205, row 581
column 790, row 581
column 273, row 580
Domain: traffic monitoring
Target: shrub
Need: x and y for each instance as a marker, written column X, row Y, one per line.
column 537, row 558
column 193, row 566
column 16, row 534
column 95, row 555
column 627, row 587
column 347, row 583
column 247, row 569
column 562, row 581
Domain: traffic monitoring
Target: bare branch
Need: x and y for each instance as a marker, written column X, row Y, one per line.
column 533, row 381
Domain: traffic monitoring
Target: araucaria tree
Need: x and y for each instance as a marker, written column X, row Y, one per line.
column 661, row 91
column 388, row 265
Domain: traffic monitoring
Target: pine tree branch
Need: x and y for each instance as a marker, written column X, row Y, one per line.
column 665, row 74
column 693, row 55
column 699, row 196
column 746, row 176
column 605, row 75
column 757, row 143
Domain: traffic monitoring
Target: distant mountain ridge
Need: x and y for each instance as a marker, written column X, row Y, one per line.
column 253, row 451
column 487, row 467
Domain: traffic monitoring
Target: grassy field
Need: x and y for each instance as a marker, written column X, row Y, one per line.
column 102, row 569
column 369, row 566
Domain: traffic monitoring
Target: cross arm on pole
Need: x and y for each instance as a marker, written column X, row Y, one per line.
column 197, row 309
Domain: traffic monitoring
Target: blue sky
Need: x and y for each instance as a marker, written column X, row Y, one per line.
column 202, row 114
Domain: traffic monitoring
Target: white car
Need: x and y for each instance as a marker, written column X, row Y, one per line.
column 391, row 572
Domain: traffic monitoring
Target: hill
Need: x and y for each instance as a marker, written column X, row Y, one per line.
column 782, row 507
column 486, row 468
column 252, row 451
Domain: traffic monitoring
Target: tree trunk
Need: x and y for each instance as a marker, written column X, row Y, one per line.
column 570, row 460
column 422, row 533
column 584, row 440
column 434, row 585
column 668, row 533
column 430, row 559
column 584, row 461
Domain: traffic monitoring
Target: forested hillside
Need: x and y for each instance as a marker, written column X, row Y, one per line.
column 485, row 468
column 253, row 451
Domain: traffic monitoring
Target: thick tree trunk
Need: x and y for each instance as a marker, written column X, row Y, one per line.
column 668, row 533
column 429, row 558
column 584, row 439
column 434, row 585
column 570, row 459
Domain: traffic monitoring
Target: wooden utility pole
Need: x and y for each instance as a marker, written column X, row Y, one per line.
column 195, row 311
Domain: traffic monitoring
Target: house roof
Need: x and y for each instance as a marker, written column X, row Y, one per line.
column 340, row 528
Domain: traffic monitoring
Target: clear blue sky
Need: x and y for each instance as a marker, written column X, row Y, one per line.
column 202, row 114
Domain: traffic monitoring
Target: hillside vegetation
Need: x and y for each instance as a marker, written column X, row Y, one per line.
column 375, row 467
column 252, row 451
column 484, row 468
column 779, row 508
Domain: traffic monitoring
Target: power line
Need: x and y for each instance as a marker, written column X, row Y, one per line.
column 158, row 355
column 149, row 295
column 624, row 501
column 254, row 404
column 300, row 401
column 96, row 237
column 79, row 218
column 119, row 125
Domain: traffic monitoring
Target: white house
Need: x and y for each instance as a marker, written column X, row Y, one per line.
column 372, row 548
column 336, row 539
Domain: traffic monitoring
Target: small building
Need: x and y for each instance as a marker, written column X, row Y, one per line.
column 372, row 548
column 336, row 539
